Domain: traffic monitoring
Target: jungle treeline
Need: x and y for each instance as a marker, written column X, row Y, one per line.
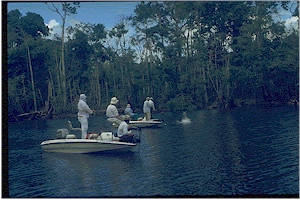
column 186, row 55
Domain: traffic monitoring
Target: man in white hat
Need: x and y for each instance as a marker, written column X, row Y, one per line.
column 83, row 115
column 112, row 112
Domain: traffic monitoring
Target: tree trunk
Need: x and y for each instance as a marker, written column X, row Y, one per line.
column 228, row 98
column 32, row 80
column 24, row 93
column 98, row 88
column 63, row 69
column 205, row 87
column 106, row 87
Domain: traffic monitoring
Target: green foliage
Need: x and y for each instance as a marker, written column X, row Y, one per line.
column 187, row 55
column 15, row 96
column 180, row 103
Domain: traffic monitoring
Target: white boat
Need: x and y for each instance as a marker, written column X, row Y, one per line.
column 141, row 123
column 68, row 143
column 146, row 123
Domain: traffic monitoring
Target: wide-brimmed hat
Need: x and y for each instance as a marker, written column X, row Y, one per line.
column 147, row 98
column 151, row 98
column 128, row 106
column 114, row 100
column 82, row 97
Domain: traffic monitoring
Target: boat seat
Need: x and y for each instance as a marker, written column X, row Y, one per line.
column 70, row 136
column 71, row 128
column 62, row 133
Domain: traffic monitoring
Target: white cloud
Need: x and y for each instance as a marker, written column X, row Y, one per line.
column 54, row 27
column 292, row 23
column 52, row 23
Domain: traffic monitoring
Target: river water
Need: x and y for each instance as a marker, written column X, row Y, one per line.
column 243, row 151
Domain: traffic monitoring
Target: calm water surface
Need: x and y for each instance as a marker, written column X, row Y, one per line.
column 233, row 152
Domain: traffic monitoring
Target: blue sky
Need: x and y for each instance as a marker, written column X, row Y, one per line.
column 107, row 13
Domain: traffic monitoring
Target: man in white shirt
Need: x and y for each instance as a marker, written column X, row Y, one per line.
column 147, row 109
column 83, row 115
column 123, row 132
column 152, row 107
column 112, row 112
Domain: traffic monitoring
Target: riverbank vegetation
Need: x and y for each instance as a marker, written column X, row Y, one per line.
column 187, row 55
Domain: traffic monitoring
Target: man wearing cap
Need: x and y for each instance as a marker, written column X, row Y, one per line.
column 83, row 115
column 112, row 112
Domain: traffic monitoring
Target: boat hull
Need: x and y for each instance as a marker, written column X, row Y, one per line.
column 143, row 124
column 85, row 146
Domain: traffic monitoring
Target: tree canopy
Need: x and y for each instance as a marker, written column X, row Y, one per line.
column 187, row 55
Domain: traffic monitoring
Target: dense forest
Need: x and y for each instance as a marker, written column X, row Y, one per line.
column 186, row 55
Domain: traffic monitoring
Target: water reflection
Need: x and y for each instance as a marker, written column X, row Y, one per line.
column 79, row 174
column 240, row 151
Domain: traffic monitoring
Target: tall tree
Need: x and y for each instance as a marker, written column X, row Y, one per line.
column 67, row 9
column 25, row 31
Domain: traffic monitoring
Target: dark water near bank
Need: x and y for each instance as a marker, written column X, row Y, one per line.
column 234, row 152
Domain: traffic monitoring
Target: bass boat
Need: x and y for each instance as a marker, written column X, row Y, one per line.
column 142, row 123
column 103, row 142
column 146, row 123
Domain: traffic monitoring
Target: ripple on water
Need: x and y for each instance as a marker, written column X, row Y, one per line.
column 220, row 153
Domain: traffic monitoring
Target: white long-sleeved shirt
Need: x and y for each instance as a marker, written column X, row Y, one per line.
column 111, row 111
column 83, row 109
column 151, row 104
column 123, row 129
column 146, row 107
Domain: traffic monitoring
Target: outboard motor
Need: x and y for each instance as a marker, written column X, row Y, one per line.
column 62, row 133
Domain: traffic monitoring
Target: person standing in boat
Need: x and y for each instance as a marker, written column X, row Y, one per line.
column 83, row 115
column 112, row 112
column 152, row 107
column 147, row 109
column 123, row 133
